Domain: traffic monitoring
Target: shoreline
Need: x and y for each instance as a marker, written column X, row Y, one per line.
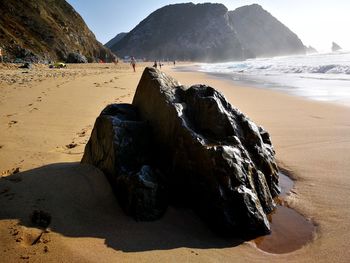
column 239, row 79
column 311, row 139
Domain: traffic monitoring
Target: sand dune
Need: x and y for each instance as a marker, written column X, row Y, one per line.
column 45, row 123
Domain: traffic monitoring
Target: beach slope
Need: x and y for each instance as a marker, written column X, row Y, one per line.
column 46, row 119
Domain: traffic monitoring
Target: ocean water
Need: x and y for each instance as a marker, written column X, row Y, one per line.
column 322, row 77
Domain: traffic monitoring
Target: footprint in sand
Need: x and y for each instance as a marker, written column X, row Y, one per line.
column 38, row 99
column 29, row 236
column 82, row 133
column 71, row 145
column 46, row 249
column 1, row 146
column 10, row 172
column 11, row 123
column 10, row 115
column 33, row 109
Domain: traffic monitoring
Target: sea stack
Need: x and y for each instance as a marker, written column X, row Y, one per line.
column 186, row 146
column 335, row 47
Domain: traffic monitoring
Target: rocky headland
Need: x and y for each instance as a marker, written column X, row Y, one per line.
column 39, row 31
column 208, row 32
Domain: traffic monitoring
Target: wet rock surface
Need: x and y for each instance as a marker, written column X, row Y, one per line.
column 189, row 147
column 119, row 146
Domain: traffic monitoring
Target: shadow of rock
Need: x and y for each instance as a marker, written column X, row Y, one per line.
column 81, row 204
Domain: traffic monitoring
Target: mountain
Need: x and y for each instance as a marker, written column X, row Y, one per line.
column 262, row 34
column 183, row 31
column 335, row 47
column 115, row 40
column 208, row 32
column 46, row 30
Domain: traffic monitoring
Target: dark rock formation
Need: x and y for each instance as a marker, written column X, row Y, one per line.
column 311, row 50
column 115, row 40
column 76, row 58
column 119, row 146
column 335, row 47
column 183, row 31
column 208, row 32
column 26, row 65
column 261, row 34
column 212, row 158
column 38, row 30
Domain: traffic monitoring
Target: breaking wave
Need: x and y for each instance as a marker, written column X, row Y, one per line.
column 331, row 63
column 318, row 76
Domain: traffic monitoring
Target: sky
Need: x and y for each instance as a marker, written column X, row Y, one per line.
column 316, row 22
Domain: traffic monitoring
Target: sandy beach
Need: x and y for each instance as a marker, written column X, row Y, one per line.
column 46, row 117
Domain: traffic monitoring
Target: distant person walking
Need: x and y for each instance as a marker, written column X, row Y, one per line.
column 174, row 63
column 160, row 65
column 1, row 58
column 133, row 63
column 155, row 64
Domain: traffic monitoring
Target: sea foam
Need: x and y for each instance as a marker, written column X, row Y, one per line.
column 318, row 76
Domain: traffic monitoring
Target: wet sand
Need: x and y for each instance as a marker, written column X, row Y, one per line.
column 46, row 117
column 290, row 230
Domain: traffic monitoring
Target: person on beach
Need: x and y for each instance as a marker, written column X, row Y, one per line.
column 155, row 64
column 133, row 63
column 1, row 58
column 174, row 63
column 160, row 65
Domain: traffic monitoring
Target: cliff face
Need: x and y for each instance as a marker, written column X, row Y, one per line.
column 46, row 29
column 183, row 31
column 208, row 32
column 263, row 35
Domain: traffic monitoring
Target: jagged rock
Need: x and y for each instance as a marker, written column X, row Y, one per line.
column 211, row 157
column 335, row 47
column 311, row 50
column 214, row 158
column 74, row 57
column 142, row 194
column 119, row 146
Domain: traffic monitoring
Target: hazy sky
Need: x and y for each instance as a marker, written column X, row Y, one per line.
column 316, row 22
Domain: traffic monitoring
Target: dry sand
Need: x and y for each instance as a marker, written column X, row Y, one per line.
column 46, row 117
